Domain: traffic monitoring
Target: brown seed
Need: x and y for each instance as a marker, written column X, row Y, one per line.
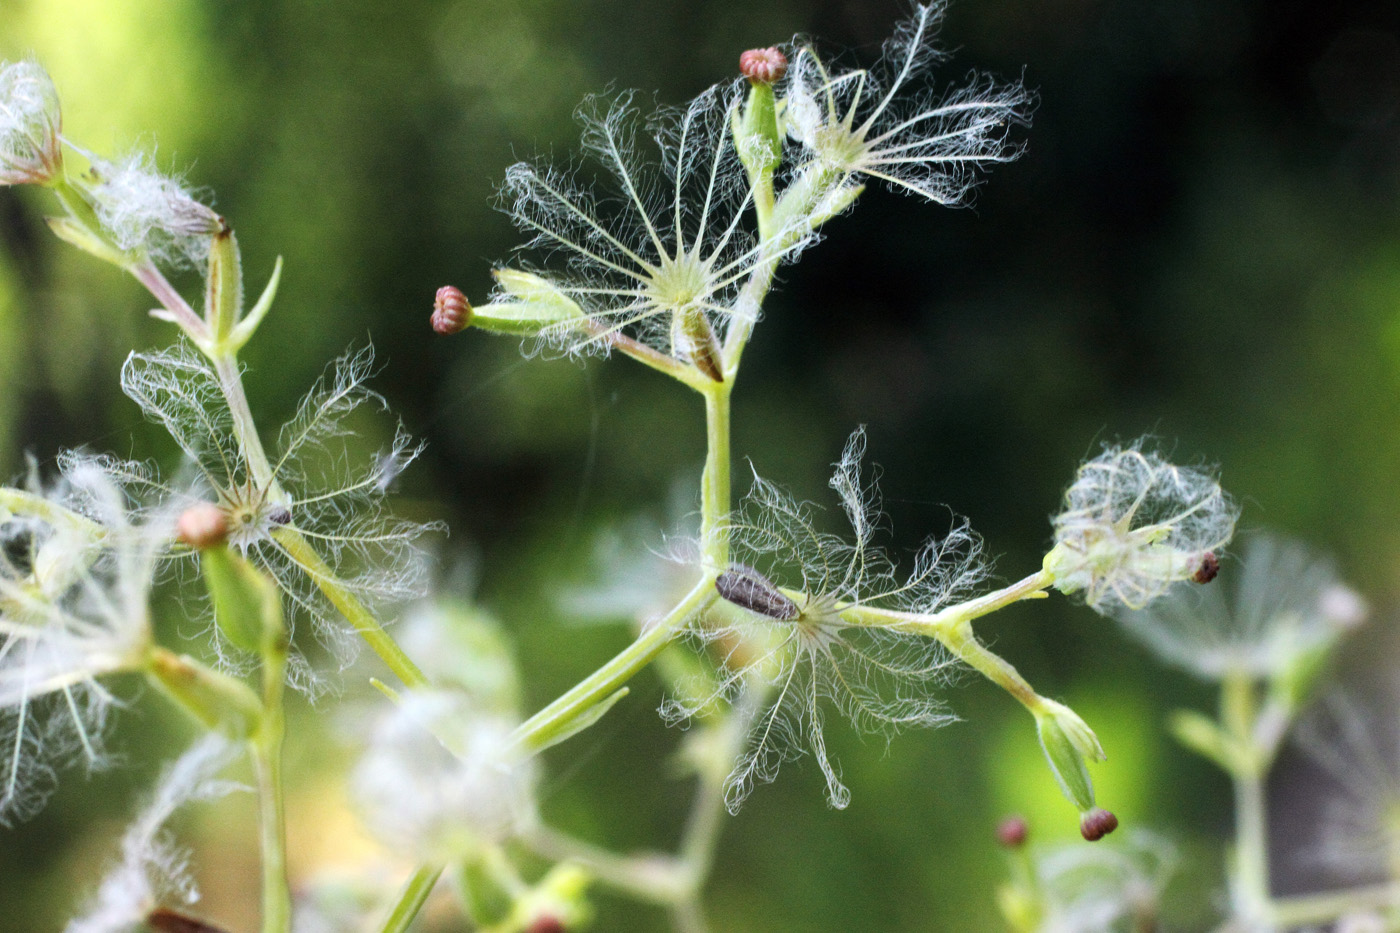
column 546, row 924
column 763, row 66
column 202, row 526
column 1097, row 823
column 1012, row 832
column 451, row 311
column 165, row 920
column 745, row 587
column 1209, row 568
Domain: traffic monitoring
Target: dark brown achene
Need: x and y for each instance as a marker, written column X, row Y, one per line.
column 763, row 66
column 164, row 920
column 451, row 311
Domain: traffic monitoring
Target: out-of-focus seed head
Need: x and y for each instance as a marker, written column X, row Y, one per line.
column 202, row 526
column 1097, row 823
column 30, row 121
column 451, row 311
column 763, row 66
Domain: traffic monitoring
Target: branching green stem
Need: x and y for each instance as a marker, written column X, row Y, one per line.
column 558, row 717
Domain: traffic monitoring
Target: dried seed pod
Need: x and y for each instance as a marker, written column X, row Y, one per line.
column 746, row 587
column 202, row 526
column 279, row 515
column 451, row 311
column 1208, row 570
column 1097, row 823
column 763, row 66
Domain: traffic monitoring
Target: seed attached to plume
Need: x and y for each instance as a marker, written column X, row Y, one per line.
column 743, row 586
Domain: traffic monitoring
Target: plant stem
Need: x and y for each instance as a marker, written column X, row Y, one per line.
column 411, row 899
column 714, row 483
column 1250, row 868
column 355, row 612
column 267, row 757
column 556, row 718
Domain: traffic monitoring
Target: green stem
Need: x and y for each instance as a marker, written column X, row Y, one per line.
column 412, row 898
column 714, row 483
column 244, row 428
column 355, row 612
column 653, row 879
column 267, row 755
column 555, row 719
column 1250, row 884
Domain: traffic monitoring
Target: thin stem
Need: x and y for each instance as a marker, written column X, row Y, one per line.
column 1250, row 866
column 951, row 617
column 558, row 717
column 267, row 756
column 654, row 879
column 412, row 898
column 350, row 606
column 160, row 288
column 244, row 428
column 272, row 817
column 714, row 483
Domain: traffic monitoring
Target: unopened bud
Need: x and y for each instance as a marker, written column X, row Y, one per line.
column 763, row 66
column 202, row 526
column 451, row 311
column 1208, row 570
column 1097, row 823
column 1012, row 832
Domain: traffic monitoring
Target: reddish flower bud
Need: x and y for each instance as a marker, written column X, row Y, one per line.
column 763, row 66
column 1209, row 568
column 451, row 311
column 1097, row 823
column 1012, row 832
column 202, row 526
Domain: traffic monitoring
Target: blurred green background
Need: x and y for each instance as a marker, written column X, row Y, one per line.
column 1201, row 243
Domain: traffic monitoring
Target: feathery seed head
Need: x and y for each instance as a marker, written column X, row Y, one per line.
column 888, row 124
column 31, row 150
column 665, row 260
column 146, row 212
column 795, row 636
column 1133, row 524
column 75, row 575
column 318, row 490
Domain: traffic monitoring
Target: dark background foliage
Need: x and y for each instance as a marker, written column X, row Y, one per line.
column 1201, row 243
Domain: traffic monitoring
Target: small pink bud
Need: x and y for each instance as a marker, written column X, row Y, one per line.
column 202, row 526
column 1209, row 568
column 451, row 311
column 1012, row 832
column 1097, row 823
column 763, row 66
